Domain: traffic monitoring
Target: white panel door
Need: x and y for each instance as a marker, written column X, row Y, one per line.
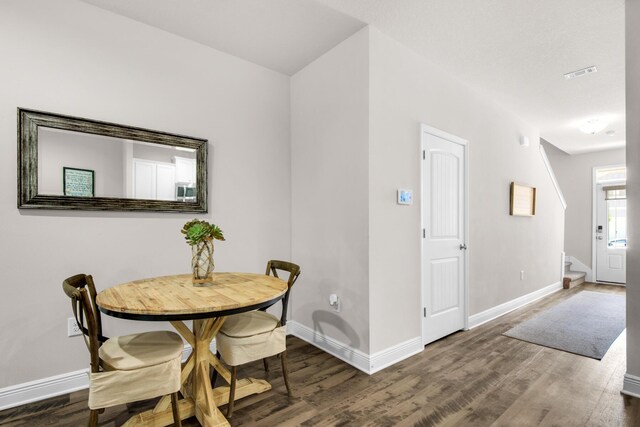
column 611, row 237
column 444, row 234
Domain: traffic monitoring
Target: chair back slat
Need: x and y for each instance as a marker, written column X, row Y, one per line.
column 294, row 271
column 81, row 290
column 94, row 305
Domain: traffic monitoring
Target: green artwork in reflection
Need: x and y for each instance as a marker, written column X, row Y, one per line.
column 78, row 182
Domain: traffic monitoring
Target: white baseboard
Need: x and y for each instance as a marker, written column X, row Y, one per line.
column 578, row 265
column 45, row 388
column 631, row 385
column 352, row 356
column 368, row 364
column 392, row 355
column 502, row 309
column 33, row 391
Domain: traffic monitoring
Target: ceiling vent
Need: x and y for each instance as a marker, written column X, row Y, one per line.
column 580, row 73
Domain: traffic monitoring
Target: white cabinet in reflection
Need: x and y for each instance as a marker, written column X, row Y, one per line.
column 166, row 182
column 185, row 170
column 153, row 180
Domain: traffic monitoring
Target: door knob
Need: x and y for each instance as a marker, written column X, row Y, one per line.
column 599, row 237
column 463, row 247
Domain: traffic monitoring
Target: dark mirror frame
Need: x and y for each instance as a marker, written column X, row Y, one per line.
column 28, row 198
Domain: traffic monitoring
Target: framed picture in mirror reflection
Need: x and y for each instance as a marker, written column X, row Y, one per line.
column 78, row 182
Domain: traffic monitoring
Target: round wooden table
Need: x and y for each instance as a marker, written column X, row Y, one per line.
column 174, row 299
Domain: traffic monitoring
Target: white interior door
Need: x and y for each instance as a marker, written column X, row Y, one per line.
column 611, row 233
column 444, row 234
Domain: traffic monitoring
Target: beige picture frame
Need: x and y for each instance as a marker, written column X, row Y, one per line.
column 523, row 200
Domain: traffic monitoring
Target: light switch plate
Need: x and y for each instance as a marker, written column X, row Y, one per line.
column 405, row 197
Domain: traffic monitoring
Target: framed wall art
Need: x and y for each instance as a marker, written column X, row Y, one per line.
column 78, row 182
column 523, row 200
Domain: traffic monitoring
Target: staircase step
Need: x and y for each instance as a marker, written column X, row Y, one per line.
column 567, row 266
column 572, row 279
column 575, row 275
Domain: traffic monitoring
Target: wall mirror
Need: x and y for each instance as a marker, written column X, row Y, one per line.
column 74, row 163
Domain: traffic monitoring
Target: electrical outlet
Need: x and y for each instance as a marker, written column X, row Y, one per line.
column 334, row 302
column 72, row 327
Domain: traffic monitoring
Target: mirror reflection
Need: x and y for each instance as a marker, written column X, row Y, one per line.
column 88, row 165
column 67, row 162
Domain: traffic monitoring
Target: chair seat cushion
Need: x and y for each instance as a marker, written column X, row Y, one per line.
column 137, row 351
column 249, row 324
column 110, row 388
column 240, row 350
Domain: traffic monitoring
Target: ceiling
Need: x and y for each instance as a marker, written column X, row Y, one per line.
column 283, row 35
column 514, row 51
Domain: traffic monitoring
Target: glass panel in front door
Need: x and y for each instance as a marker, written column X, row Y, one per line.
column 617, row 223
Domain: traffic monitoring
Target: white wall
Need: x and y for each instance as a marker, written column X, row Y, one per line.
column 369, row 145
column 330, row 224
column 71, row 58
column 575, row 177
column 104, row 156
column 407, row 90
column 632, row 384
column 354, row 135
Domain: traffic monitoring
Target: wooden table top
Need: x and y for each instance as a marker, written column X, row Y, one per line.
column 176, row 298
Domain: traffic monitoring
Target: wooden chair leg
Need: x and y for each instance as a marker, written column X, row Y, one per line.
column 232, row 391
column 266, row 364
column 174, row 407
column 285, row 372
column 93, row 418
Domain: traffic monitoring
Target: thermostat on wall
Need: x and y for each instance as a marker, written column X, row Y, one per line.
column 405, row 197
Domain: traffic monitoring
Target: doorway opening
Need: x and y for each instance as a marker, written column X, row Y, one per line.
column 610, row 224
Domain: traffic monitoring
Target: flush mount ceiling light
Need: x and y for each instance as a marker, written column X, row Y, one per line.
column 580, row 73
column 593, row 126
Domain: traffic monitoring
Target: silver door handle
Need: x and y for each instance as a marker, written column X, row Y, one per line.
column 463, row 247
column 599, row 237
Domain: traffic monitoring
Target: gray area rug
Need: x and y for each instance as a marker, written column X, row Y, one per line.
column 585, row 324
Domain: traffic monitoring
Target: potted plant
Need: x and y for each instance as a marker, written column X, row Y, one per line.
column 200, row 236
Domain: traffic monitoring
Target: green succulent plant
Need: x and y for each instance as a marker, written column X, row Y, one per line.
column 196, row 231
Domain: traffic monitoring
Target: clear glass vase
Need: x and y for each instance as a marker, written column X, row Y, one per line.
column 202, row 261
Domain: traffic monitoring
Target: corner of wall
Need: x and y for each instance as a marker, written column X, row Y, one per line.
column 329, row 140
column 632, row 88
column 631, row 386
column 365, row 362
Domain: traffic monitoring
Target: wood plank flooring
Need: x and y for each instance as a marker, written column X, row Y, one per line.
column 474, row 378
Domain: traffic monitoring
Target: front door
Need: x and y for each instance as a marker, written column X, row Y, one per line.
column 444, row 235
column 611, row 233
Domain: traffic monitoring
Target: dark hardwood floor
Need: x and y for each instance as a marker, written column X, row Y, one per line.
column 474, row 378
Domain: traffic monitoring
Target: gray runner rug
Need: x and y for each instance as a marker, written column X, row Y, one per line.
column 586, row 324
